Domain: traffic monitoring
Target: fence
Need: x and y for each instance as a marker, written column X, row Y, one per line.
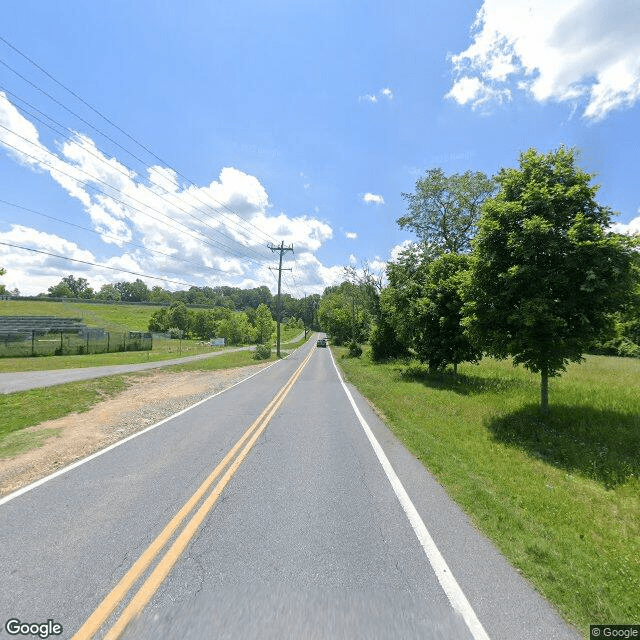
column 37, row 342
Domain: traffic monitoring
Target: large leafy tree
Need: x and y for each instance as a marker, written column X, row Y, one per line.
column 444, row 210
column 133, row 291
column 108, row 292
column 546, row 276
column 71, row 287
column 343, row 315
column 424, row 305
column 264, row 324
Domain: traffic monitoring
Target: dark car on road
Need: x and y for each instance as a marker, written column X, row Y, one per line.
column 322, row 342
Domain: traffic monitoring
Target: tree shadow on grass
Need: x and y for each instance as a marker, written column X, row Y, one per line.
column 602, row 445
column 463, row 384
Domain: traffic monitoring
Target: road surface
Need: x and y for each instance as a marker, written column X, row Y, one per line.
column 24, row 380
column 319, row 524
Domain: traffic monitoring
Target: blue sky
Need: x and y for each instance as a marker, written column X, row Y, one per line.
column 285, row 121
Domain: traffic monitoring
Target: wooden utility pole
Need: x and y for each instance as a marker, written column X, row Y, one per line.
column 282, row 249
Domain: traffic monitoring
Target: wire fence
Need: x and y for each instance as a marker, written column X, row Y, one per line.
column 36, row 342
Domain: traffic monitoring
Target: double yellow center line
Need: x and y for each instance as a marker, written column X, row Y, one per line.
column 232, row 460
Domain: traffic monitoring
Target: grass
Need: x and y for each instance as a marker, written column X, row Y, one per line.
column 112, row 317
column 163, row 349
column 19, row 442
column 559, row 495
column 28, row 408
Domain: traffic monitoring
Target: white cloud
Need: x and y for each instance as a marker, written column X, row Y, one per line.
column 372, row 198
column 229, row 221
column 631, row 228
column 352, row 259
column 583, row 51
column 351, row 235
column 399, row 248
column 385, row 93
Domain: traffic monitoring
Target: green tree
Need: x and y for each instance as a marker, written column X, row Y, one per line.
column 158, row 294
column 236, row 329
column 430, row 312
column 158, row 321
column 178, row 316
column 444, row 210
column 204, row 324
column 264, row 324
column 72, row 287
column 545, row 275
column 108, row 292
column 342, row 314
column 3, row 287
column 60, row 290
column 133, row 291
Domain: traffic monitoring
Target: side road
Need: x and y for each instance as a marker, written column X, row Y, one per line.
column 24, row 380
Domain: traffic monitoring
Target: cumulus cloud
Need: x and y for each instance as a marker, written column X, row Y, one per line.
column 580, row 51
column 372, row 198
column 631, row 228
column 213, row 234
column 384, row 94
column 351, row 235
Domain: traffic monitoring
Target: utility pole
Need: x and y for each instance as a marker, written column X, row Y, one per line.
column 282, row 249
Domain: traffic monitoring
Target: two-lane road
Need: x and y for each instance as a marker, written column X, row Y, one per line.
column 271, row 510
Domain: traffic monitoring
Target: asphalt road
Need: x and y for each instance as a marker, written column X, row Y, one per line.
column 24, row 380
column 308, row 538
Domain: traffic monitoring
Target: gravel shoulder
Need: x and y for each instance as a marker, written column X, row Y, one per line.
column 147, row 400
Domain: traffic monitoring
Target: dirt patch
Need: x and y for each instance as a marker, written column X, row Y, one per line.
column 148, row 400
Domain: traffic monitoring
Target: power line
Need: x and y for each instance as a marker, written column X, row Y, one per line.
column 96, row 179
column 113, row 124
column 100, row 266
column 105, row 235
column 70, row 136
column 89, row 186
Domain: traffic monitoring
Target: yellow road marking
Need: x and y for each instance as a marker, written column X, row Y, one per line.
column 155, row 579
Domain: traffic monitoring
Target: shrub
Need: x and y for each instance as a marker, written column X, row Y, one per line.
column 175, row 333
column 355, row 350
column 262, row 352
column 385, row 344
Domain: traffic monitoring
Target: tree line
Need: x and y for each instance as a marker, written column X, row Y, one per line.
column 236, row 327
column 519, row 265
column 221, row 298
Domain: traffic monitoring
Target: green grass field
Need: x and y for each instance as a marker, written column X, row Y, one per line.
column 112, row 317
column 28, row 408
column 559, row 495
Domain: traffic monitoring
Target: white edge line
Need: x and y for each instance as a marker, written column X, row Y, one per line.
column 78, row 463
column 447, row 580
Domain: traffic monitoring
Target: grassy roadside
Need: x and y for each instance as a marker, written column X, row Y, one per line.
column 560, row 496
column 163, row 349
column 28, row 408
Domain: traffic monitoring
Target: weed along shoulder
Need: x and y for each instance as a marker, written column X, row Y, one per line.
column 39, row 629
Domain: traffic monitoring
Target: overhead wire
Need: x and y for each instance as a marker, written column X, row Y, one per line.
column 101, row 266
column 105, row 235
column 71, row 139
column 239, row 227
column 113, row 124
column 125, row 204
